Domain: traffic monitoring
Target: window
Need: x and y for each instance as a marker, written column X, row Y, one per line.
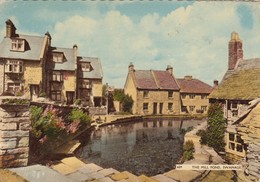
column 17, row 45
column 234, row 105
column 85, row 66
column 146, row 94
column 231, row 146
column 234, row 113
column 203, row 96
column 57, row 57
column 85, row 84
column 13, row 66
column 183, row 109
column 12, row 87
column 192, row 108
column 170, row 106
column 170, row 94
column 231, row 137
column 56, row 86
column 57, row 76
column 145, row 106
column 183, row 96
column 204, row 108
column 192, row 96
column 56, row 95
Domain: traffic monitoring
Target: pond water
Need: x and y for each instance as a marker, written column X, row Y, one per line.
column 142, row 147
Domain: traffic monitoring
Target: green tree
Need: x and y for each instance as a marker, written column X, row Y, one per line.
column 216, row 127
column 124, row 99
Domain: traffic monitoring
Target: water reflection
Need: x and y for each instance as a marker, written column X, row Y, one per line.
column 145, row 147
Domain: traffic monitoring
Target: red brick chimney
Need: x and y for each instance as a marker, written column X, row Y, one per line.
column 235, row 50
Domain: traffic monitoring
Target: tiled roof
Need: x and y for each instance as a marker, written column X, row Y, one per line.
column 33, row 48
column 69, row 63
column 96, row 72
column 194, row 86
column 150, row 79
column 242, row 83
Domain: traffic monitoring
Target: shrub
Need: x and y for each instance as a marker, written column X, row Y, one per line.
column 216, row 127
column 79, row 115
column 188, row 149
column 203, row 136
column 124, row 99
column 42, row 94
column 77, row 102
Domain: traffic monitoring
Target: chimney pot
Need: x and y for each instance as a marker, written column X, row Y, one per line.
column 131, row 67
column 170, row 69
column 188, row 77
column 215, row 82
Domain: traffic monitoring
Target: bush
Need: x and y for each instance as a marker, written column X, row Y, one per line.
column 188, row 150
column 79, row 115
column 203, row 136
column 124, row 99
column 77, row 102
column 42, row 94
column 216, row 127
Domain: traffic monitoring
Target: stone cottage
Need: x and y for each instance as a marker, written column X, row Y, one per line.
column 194, row 95
column 239, row 86
column 31, row 66
column 153, row 91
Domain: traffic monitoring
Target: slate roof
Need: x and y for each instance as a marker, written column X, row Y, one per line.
column 194, row 86
column 33, row 48
column 241, row 84
column 96, row 72
column 153, row 79
column 69, row 63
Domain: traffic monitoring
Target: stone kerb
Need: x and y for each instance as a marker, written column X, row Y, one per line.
column 14, row 132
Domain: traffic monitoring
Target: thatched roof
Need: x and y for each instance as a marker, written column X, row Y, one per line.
column 240, row 85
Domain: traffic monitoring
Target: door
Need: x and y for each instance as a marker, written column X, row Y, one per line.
column 34, row 91
column 154, row 108
column 70, row 98
column 161, row 108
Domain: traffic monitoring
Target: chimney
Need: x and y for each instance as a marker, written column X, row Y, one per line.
column 131, row 67
column 75, row 48
column 235, row 51
column 215, row 84
column 49, row 37
column 10, row 29
column 169, row 69
column 188, row 77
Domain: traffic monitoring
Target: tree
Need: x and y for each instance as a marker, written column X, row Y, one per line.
column 124, row 99
column 216, row 127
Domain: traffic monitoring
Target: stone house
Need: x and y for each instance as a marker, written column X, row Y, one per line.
column 248, row 127
column 22, row 62
column 153, row 91
column 239, row 86
column 90, row 77
column 194, row 95
column 30, row 65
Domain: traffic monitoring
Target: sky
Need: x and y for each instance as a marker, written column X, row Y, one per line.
column 192, row 37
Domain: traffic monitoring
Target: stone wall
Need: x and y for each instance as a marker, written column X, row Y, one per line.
column 14, row 135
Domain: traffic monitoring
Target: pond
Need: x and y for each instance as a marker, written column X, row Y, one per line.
column 147, row 147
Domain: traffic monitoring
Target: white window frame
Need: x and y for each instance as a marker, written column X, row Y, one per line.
column 14, row 86
column 204, row 108
column 86, row 84
column 57, row 57
column 17, row 44
column 14, row 66
column 192, row 108
column 57, row 76
column 170, row 106
column 145, row 106
column 85, row 66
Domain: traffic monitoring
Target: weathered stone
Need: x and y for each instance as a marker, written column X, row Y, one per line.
column 15, row 120
column 252, row 168
column 23, row 156
column 8, row 126
column 7, row 114
column 23, row 142
column 18, row 150
column 25, row 126
column 2, row 152
column 6, row 157
column 9, row 134
column 8, row 143
column 16, row 163
column 23, row 114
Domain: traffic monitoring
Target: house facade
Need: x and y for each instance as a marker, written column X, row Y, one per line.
column 22, row 63
column 30, row 66
column 239, row 86
column 194, row 95
column 153, row 91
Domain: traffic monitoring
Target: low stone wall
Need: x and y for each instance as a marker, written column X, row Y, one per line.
column 97, row 111
column 14, row 134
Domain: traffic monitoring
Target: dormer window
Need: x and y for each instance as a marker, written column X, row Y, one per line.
column 85, row 66
column 57, row 57
column 14, row 66
column 17, row 45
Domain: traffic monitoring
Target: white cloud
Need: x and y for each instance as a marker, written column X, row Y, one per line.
column 194, row 40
